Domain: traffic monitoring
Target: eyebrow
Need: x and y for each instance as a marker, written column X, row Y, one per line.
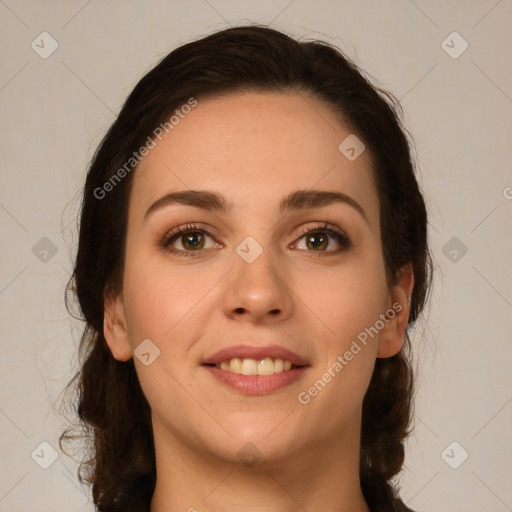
column 212, row 201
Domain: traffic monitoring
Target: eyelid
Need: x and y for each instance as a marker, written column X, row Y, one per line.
column 188, row 227
column 319, row 226
column 331, row 229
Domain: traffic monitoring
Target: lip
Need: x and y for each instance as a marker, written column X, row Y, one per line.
column 252, row 352
column 257, row 384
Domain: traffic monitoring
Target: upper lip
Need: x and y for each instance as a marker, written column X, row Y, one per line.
column 253, row 352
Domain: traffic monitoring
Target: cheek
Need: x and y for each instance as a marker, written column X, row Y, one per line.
column 348, row 300
column 345, row 300
column 155, row 300
column 336, row 389
column 166, row 304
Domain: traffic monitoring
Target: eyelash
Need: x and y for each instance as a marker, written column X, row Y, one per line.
column 340, row 237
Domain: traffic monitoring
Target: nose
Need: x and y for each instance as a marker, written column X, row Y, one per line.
column 258, row 291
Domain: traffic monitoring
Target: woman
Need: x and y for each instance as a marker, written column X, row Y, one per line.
column 252, row 251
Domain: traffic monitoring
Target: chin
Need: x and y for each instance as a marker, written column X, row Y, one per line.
column 265, row 442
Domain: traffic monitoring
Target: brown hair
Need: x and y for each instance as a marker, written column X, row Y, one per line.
column 114, row 416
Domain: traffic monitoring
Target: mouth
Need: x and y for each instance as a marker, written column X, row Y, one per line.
column 248, row 366
column 256, row 370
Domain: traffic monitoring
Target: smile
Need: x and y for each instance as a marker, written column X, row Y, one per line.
column 256, row 370
column 263, row 366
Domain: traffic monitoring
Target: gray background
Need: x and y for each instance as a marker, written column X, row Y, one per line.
column 56, row 109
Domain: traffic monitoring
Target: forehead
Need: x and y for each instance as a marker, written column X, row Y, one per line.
column 254, row 145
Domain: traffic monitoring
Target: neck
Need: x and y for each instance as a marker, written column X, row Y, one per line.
column 320, row 477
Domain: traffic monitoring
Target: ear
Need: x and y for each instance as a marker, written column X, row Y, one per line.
column 114, row 327
column 393, row 334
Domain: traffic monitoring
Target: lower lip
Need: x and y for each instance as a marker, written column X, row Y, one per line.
column 257, row 384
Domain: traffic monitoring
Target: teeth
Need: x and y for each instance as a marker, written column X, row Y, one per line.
column 235, row 365
column 249, row 367
column 265, row 366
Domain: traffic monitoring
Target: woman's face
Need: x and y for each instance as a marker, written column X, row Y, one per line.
column 244, row 284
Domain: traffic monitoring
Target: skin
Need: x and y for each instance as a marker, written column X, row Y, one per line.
column 255, row 148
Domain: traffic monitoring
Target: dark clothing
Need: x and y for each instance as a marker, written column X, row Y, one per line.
column 400, row 507
column 137, row 498
column 397, row 506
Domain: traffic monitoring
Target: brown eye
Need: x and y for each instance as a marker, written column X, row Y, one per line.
column 192, row 241
column 318, row 239
column 186, row 240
